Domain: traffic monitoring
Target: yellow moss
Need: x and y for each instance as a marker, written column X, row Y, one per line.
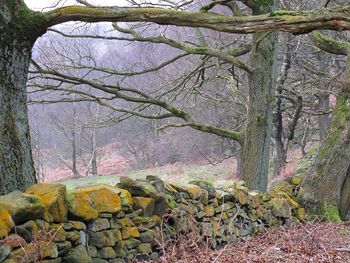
column 144, row 203
column 53, row 198
column 281, row 207
column 123, row 222
column 79, row 205
column 291, row 200
column 59, row 232
column 209, row 211
column 130, row 232
column 296, row 180
column 5, row 222
column 300, row 214
column 242, row 197
column 194, row 191
column 125, row 196
column 156, row 219
column 88, row 202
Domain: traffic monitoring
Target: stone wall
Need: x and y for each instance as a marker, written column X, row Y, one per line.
column 103, row 223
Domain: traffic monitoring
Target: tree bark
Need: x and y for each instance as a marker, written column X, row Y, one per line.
column 17, row 36
column 280, row 151
column 335, row 18
column 256, row 137
column 324, row 119
column 325, row 191
column 16, row 164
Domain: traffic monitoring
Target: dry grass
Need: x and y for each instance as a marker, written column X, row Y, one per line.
column 310, row 242
column 34, row 251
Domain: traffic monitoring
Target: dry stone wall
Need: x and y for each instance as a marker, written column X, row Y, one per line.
column 131, row 220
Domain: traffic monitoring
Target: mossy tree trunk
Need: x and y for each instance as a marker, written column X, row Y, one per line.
column 326, row 189
column 16, row 164
column 323, row 119
column 256, row 137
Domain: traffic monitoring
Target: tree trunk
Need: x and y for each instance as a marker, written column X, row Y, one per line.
column 239, row 165
column 19, row 28
column 74, row 145
column 94, row 163
column 325, row 192
column 323, row 120
column 16, row 164
column 280, row 150
column 257, row 134
column 93, row 151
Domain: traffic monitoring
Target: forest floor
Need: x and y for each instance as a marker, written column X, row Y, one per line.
column 304, row 243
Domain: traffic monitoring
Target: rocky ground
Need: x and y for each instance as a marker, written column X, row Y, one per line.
column 308, row 242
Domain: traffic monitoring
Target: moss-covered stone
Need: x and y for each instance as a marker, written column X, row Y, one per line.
column 107, row 253
column 86, row 203
column 144, row 203
column 77, row 255
column 99, row 224
column 5, row 222
column 281, row 207
column 300, row 214
column 161, row 204
column 5, row 251
column 63, row 248
column 125, row 197
column 30, row 251
column 147, row 236
column 208, row 186
column 72, row 236
column 106, row 238
column 131, row 243
column 75, row 225
column 290, row 199
column 144, row 248
column 137, row 187
column 120, row 251
column 28, row 230
column 53, row 198
column 242, row 197
column 122, row 222
column 22, row 207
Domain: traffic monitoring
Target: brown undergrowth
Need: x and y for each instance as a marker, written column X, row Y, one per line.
column 307, row 242
column 35, row 250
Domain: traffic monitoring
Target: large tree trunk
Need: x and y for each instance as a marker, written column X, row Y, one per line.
column 16, row 164
column 19, row 28
column 256, row 138
column 326, row 189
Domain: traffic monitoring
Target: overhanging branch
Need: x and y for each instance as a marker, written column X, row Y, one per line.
column 335, row 18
